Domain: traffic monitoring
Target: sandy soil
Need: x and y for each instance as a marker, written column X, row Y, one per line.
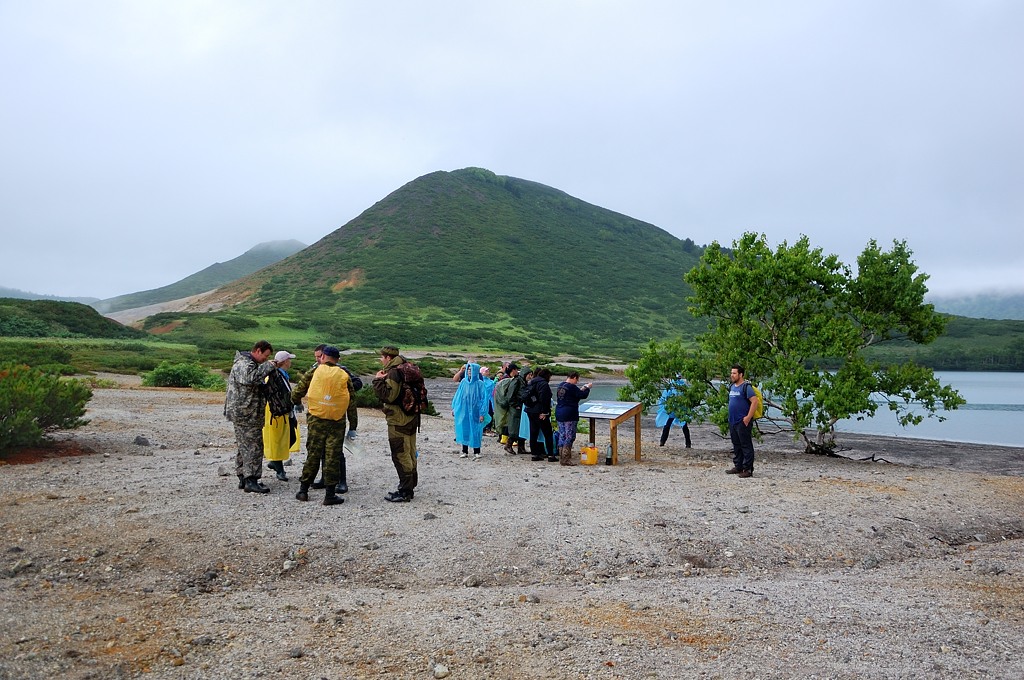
column 144, row 560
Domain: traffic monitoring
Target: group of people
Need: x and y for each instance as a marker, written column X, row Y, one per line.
column 479, row 401
column 331, row 419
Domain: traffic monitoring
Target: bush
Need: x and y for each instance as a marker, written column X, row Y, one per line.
column 167, row 374
column 33, row 402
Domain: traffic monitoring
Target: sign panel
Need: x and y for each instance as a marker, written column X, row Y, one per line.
column 607, row 410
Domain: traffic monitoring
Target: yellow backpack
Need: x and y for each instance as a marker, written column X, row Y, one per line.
column 759, row 411
column 328, row 392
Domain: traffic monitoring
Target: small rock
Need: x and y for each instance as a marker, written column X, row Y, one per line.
column 441, row 671
column 289, row 565
column 296, row 653
column 471, row 581
column 429, row 515
column 141, row 441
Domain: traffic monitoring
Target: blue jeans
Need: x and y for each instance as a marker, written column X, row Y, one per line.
column 742, row 445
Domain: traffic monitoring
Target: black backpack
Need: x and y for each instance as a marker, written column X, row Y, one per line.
column 529, row 396
column 357, row 383
column 279, row 395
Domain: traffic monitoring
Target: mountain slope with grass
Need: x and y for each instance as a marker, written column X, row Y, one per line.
column 212, row 277
column 476, row 259
column 53, row 319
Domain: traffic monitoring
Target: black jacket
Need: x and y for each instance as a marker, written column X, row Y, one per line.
column 539, row 387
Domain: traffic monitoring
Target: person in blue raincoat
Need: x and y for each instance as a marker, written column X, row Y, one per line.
column 470, row 407
column 665, row 419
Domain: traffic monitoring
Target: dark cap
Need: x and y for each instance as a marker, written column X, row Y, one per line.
column 511, row 367
column 331, row 352
column 389, row 351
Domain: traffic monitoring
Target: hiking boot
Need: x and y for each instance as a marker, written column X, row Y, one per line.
column 397, row 497
column 252, row 485
column 341, row 487
column 508, row 448
column 331, row 498
column 241, row 482
column 552, row 459
column 745, row 474
column 733, row 471
column 540, row 457
column 520, row 448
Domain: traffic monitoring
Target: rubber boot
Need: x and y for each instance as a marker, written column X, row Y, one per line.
column 332, row 498
column 278, row 467
column 342, row 486
column 252, row 485
column 520, row 447
column 303, row 494
column 565, row 456
column 241, row 482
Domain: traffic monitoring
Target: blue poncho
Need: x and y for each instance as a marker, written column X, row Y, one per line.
column 469, row 405
column 664, row 415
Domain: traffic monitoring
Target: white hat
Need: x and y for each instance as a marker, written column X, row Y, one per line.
column 283, row 356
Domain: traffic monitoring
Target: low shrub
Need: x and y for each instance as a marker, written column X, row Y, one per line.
column 33, row 402
column 195, row 376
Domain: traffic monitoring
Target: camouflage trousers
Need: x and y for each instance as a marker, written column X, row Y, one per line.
column 325, row 441
column 402, row 441
column 249, row 437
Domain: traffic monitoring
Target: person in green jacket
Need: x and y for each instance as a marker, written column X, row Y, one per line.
column 402, row 427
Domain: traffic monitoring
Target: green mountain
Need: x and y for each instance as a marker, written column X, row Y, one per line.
column 214, row 276
column 472, row 258
column 48, row 318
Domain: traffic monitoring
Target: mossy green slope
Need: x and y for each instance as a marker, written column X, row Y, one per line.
column 470, row 257
column 52, row 319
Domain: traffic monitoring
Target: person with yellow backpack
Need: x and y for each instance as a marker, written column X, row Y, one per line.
column 744, row 407
column 328, row 392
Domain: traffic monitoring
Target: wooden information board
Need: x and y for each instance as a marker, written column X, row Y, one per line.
column 617, row 412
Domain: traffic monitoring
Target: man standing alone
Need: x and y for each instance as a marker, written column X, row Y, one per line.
column 742, row 406
column 244, row 406
column 387, row 385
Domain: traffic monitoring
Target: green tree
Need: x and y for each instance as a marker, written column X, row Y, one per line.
column 783, row 314
column 33, row 402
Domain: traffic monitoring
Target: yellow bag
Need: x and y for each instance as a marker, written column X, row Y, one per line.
column 328, row 392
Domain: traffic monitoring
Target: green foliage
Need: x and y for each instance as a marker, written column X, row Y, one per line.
column 192, row 375
column 782, row 314
column 49, row 318
column 33, row 402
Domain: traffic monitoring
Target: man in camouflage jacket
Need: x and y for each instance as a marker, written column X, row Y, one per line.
column 244, row 406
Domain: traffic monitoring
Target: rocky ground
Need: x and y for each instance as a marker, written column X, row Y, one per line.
column 141, row 558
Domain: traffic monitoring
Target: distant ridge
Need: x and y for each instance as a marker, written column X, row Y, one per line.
column 982, row 305
column 16, row 294
column 472, row 257
column 208, row 279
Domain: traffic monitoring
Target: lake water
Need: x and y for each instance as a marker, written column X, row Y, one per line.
column 993, row 414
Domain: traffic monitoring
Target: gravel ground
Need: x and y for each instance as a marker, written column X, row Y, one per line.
column 144, row 560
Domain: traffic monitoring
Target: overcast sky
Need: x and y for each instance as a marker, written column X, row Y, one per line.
column 141, row 141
